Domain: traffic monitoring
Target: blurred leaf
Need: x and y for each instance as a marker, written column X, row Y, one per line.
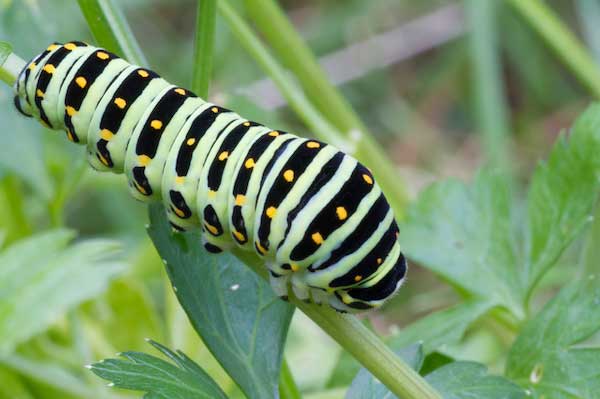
column 465, row 234
column 444, row 327
column 159, row 378
column 5, row 50
column 12, row 386
column 235, row 312
column 561, row 195
column 43, row 276
column 469, row 380
column 471, row 235
column 365, row 386
column 546, row 357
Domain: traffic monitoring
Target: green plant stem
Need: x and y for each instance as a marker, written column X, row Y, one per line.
column 203, row 48
column 489, row 96
column 360, row 144
column 562, row 41
column 359, row 341
column 11, row 69
column 287, row 385
column 110, row 29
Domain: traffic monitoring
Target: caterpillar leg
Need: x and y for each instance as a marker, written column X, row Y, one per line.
column 279, row 283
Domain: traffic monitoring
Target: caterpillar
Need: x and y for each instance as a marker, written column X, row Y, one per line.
column 313, row 213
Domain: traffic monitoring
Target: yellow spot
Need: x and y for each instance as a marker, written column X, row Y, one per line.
column 368, row 178
column 246, row 123
column 179, row 90
column 81, row 81
column 103, row 160
column 106, row 134
column 261, row 249
column 119, row 102
column 156, row 124
column 214, row 109
column 191, row 141
column 179, row 212
column 212, row 193
column 357, row 278
column 139, row 188
column 211, row 228
column 52, row 47
column 379, row 260
column 240, row 199
column 223, row 156
column 70, row 110
column 70, row 136
column 274, row 133
column 32, row 66
column 143, row 73
column 179, row 179
column 144, row 160
column 49, row 68
column 341, row 212
column 317, row 238
column 294, row 267
column 239, row 235
column 288, row 175
column 249, row 164
column 102, row 55
column 271, row 211
column 313, row 144
column 70, row 46
column 39, row 93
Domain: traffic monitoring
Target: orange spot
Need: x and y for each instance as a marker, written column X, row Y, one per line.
column 249, row 164
column 49, row 68
column 143, row 73
column 144, row 160
column 179, row 212
column 271, row 211
column 357, row 278
column 70, row 110
column 288, row 175
column 379, row 260
column 39, row 93
column 294, row 267
column 213, row 230
column 341, row 212
column 81, row 81
column 102, row 55
column 106, row 134
column 240, row 199
column 179, row 90
column 260, row 248
column 367, row 178
column 317, row 238
column 313, row 144
column 52, row 47
column 156, row 124
column 70, row 46
column 191, row 141
column 239, row 235
column 179, row 179
column 223, row 156
column 119, row 102
column 274, row 133
column 246, row 123
column 214, row 109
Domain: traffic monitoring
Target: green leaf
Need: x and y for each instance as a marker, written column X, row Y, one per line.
column 365, row 386
column 466, row 235
column 548, row 357
column 5, row 50
column 235, row 312
column 158, row 378
column 444, row 327
column 43, row 276
column 472, row 235
column 469, row 380
column 561, row 195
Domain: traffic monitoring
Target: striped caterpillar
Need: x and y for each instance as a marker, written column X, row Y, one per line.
column 314, row 214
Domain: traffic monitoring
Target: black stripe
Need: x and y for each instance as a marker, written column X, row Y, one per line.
column 385, row 287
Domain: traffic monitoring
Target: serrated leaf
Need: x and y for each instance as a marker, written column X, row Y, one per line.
column 443, row 327
column 471, row 235
column 546, row 357
column 42, row 277
column 465, row 234
column 365, row 386
column 562, row 193
column 235, row 312
column 159, row 378
column 470, row 380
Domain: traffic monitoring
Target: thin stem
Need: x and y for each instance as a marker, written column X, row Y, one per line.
column 492, row 112
column 361, row 144
column 359, row 341
column 111, row 30
column 204, row 44
column 287, row 385
column 11, row 68
column 562, row 41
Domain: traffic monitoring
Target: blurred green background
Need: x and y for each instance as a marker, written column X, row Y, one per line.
column 413, row 72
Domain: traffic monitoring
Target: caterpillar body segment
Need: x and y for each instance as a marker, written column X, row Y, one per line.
column 314, row 214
